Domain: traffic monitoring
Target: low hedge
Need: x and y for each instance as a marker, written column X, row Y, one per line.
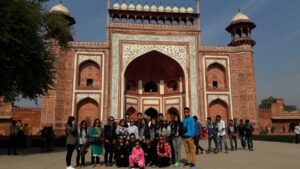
column 275, row 138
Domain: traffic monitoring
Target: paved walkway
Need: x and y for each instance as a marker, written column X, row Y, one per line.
column 266, row 155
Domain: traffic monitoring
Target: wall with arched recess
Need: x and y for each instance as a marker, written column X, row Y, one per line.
column 87, row 109
column 219, row 107
column 89, row 70
column 216, row 72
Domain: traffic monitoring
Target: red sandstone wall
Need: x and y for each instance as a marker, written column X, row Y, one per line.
column 30, row 116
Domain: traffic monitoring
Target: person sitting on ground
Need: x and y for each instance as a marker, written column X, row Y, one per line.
column 131, row 142
column 150, row 153
column 122, row 153
column 137, row 156
column 163, row 152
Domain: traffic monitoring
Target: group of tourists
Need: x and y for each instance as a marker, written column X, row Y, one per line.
column 152, row 142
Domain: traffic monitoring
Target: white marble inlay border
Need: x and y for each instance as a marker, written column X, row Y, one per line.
column 81, row 96
column 212, row 98
column 212, row 61
column 83, row 58
column 192, row 78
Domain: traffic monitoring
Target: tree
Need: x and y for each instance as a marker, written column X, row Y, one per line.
column 27, row 33
column 266, row 103
column 290, row 108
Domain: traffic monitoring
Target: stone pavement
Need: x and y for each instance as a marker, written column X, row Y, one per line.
column 266, row 155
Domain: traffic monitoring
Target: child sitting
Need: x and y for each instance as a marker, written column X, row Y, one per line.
column 137, row 157
column 122, row 153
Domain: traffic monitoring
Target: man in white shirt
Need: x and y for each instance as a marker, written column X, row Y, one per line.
column 221, row 133
column 297, row 132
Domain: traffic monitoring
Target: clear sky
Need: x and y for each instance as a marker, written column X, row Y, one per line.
column 276, row 55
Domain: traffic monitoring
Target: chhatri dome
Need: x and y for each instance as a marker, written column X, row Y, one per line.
column 168, row 8
column 124, row 5
column 175, row 9
column 240, row 17
column 60, row 8
column 153, row 7
column 182, row 9
column 131, row 6
column 161, row 8
column 146, row 7
column 139, row 7
column 189, row 9
column 116, row 5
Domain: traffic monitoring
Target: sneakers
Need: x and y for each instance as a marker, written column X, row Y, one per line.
column 187, row 165
column 70, row 167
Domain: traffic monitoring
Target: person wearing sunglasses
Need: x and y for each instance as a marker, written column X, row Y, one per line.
column 163, row 152
column 95, row 135
column 110, row 139
column 133, row 129
column 137, row 157
column 122, row 153
column 188, row 141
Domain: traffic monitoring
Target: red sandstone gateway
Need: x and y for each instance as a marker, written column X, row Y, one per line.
column 153, row 62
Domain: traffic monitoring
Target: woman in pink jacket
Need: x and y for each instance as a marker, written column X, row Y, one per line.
column 137, row 156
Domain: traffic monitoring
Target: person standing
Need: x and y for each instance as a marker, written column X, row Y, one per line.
column 188, row 142
column 110, row 139
column 248, row 135
column 297, row 133
column 211, row 134
column 81, row 144
column 198, row 131
column 232, row 132
column 71, row 133
column 122, row 129
column 241, row 132
column 221, row 133
column 176, row 133
column 133, row 129
column 122, row 153
column 13, row 138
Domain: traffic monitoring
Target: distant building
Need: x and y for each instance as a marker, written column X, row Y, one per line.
column 277, row 118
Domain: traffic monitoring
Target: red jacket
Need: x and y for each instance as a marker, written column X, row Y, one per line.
column 167, row 150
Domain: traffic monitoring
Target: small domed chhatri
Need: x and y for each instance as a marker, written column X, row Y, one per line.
column 175, row 9
column 124, row 5
column 240, row 17
column 139, row 7
column 60, row 8
column 182, row 9
column 153, row 8
column 131, row 6
column 146, row 7
column 189, row 9
column 168, row 8
column 161, row 8
column 116, row 5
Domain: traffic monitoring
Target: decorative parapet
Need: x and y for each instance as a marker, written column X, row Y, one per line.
column 81, row 44
column 243, row 48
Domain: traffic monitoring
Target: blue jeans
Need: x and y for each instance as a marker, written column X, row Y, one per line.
column 243, row 141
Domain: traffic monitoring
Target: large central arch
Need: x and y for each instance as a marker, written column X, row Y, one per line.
column 150, row 79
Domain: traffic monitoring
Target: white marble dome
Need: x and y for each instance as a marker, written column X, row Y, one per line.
column 189, row 10
column 116, row 5
column 139, row 7
column 161, row 8
column 124, row 5
column 131, row 6
column 60, row 8
column 153, row 8
column 175, row 9
column 168, row 9
column 146, row 7
column 240, row 16
column 182, row 9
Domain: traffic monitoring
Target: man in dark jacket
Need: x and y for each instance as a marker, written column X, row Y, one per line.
column 241, row 132
column 122, row 153
column 110, row 139
column 211, row 134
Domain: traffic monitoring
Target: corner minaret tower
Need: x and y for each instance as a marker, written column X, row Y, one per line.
column 240, row 29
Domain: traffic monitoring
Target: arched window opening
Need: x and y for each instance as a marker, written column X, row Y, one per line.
column 151, row 87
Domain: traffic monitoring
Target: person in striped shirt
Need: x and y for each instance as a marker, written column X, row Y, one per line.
column 163, row 152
